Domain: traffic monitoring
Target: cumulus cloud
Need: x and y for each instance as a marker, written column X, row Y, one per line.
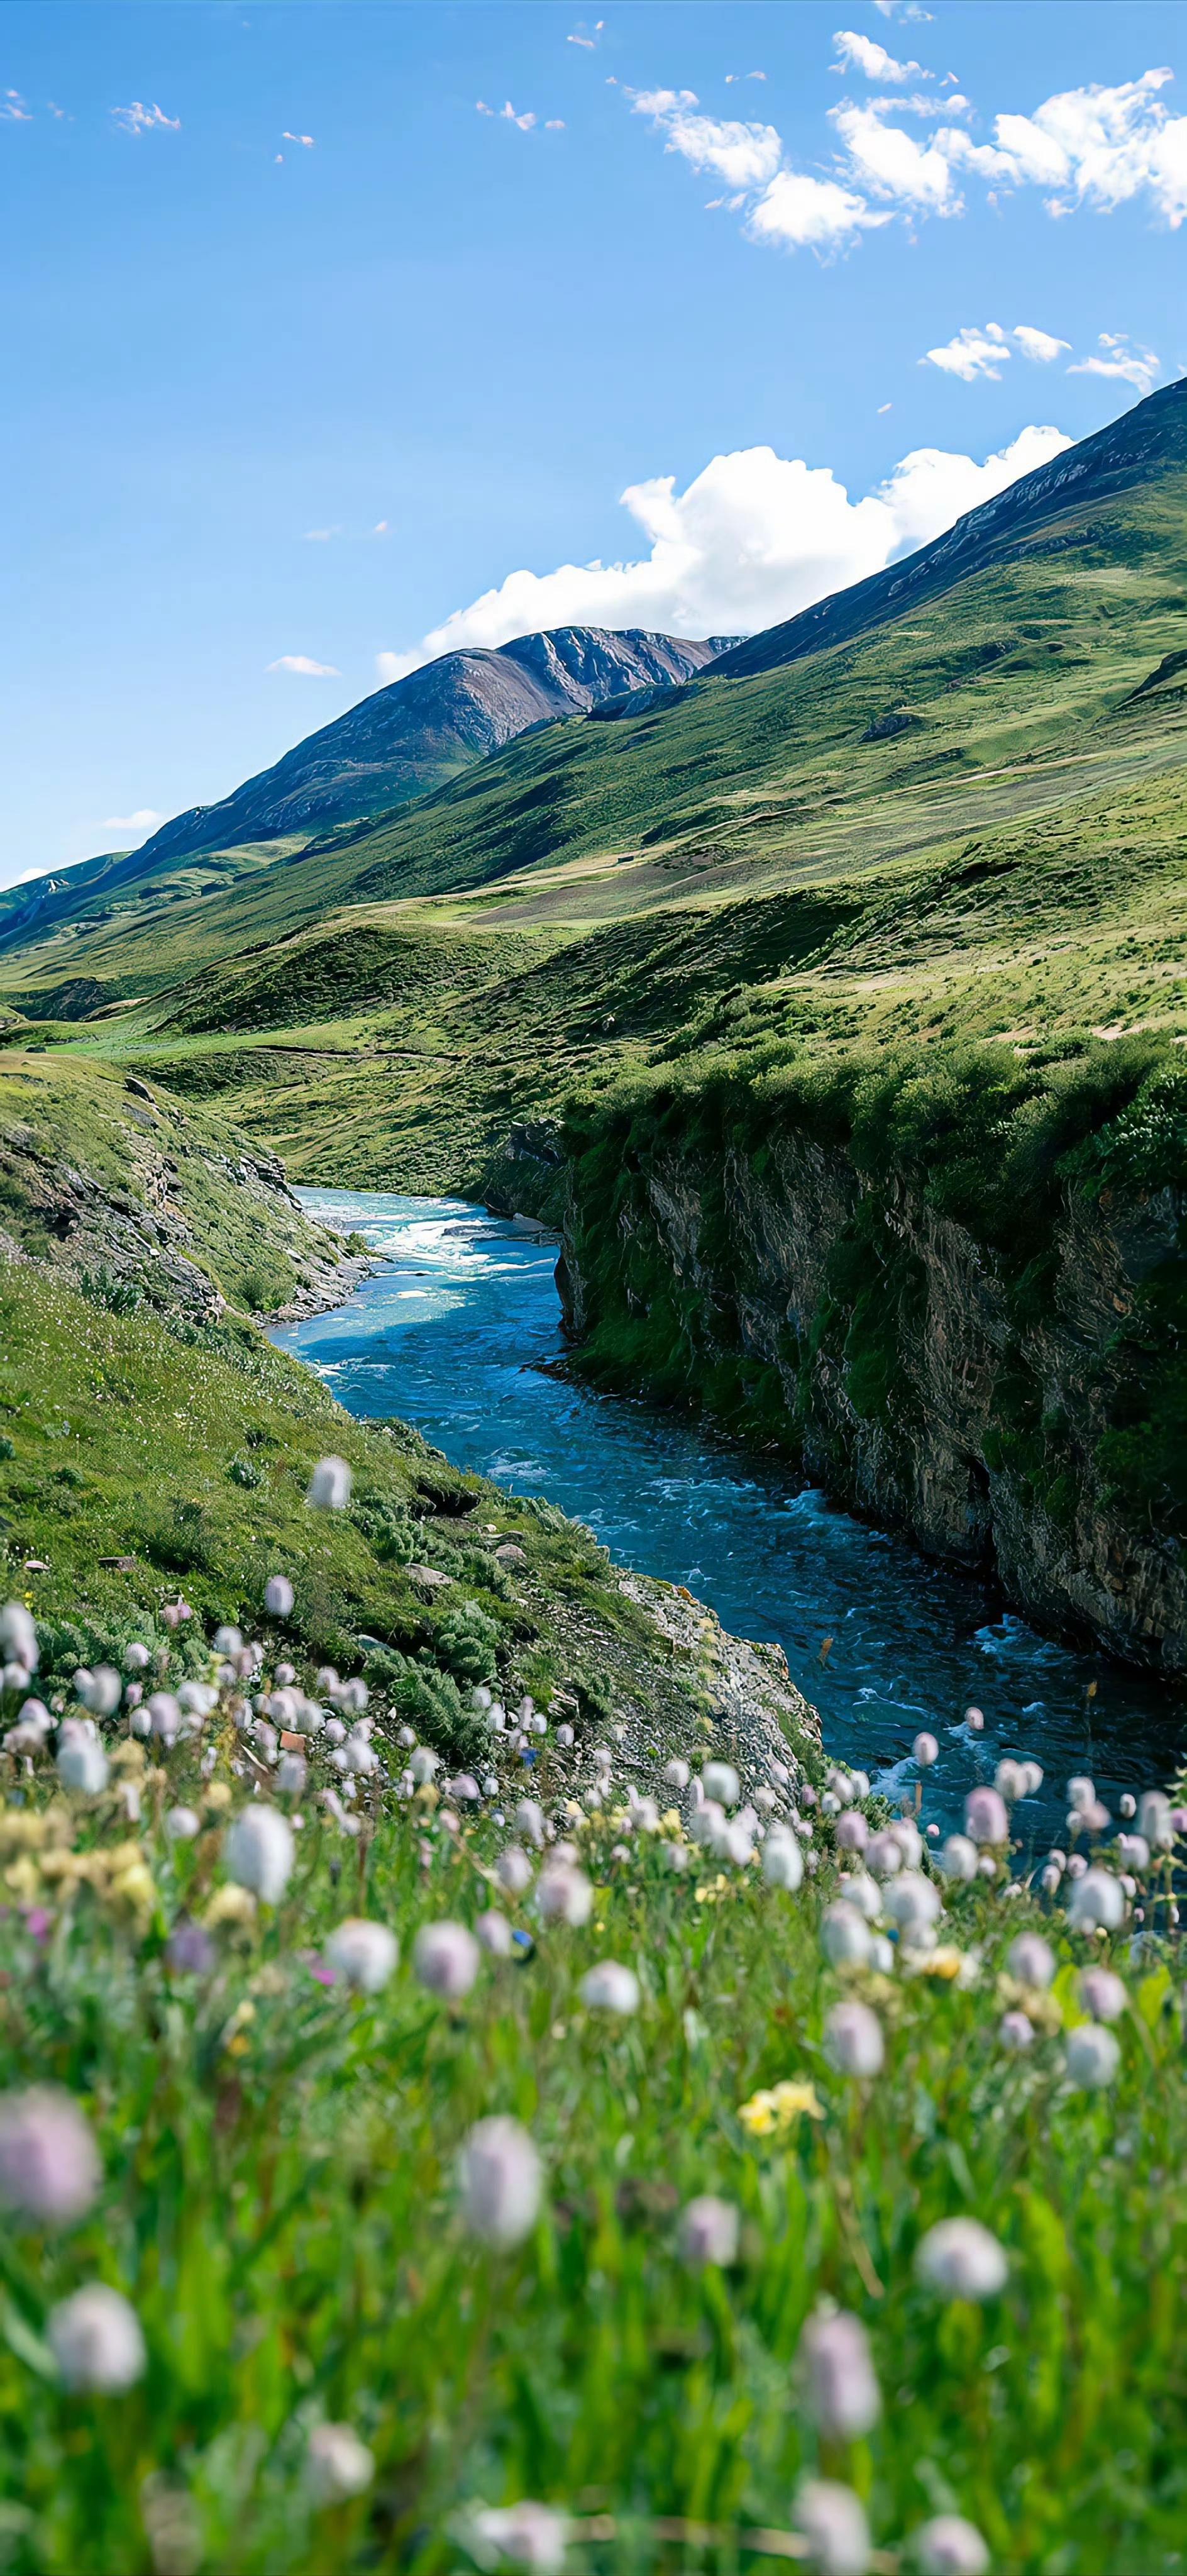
column 508, row 115
column 1137, row 367
column 752, row 539
column 971, row 353
column 1042, row 346
column 139, row 119
column 131, row 828
column 1093, row 147
column 861, row 54
column 304, row 668
column 306, row 139
column 13, row 110
column 582, row 37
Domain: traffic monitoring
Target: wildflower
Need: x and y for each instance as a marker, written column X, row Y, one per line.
column 1134, row 1850
column 709, row 2231
column 961, row 2260
column 1093, row 2057
column 501, row 2182
column 611, row 1988
column 926, row 1751
column 137, row 1657
column 792, row 2098
column 676, row 1773
column 292, row 1775
column 719, row 1780
column 259, row 1852
column 1031, row 1960
column 337, row 2464
column 1097, row 1897
column 101, row 1691
column 974, row 1718
column 834, row 2525
column 81, row 1762
column 514, row 1870
column 278, row 1597
column 423, row 1765
column 910, row 1842
column 842, row 2392
column 565, row 1894
column 329, row 1485
column 446, row 1959
column 96, row 2340
column 49, row 2165
column 164, row 1714
column 958, row 1858
column 18, row 1638
column 1102, row 1994
column 1154, row 1820
column 950, row 2546
column 527, row 2535
column 494, row 1932
column 853, row 2039
column 853, row 1833
column 845, row 1937
column 1015, row 2031
column 708, row 1820
column 529, row 1821
column 985, row 1817
column 189, row 1950
column 1081, row 1793
column 782, row 1859
column 913, row 1902
column 364, row 1953
column 884, row 1855
column 181, row 1824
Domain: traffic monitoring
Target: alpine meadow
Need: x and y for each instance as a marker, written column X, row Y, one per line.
column 494, row 2076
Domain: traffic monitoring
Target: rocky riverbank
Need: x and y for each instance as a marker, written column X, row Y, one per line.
column 1000, row 1380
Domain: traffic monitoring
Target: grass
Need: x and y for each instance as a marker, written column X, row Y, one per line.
column 280, row 2206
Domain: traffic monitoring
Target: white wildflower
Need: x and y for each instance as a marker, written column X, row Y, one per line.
column 501, row 2182
column 950, row 2546
column 676, row 1773
column 18, row 1637
column 853, row 2039
column 1102, row 1994
column 709, row 2231
column 278, row 1597
column 845, row 1937
column 329, row 1485
column 95, row 2339
column 1154, row 1820
column 565, row 1894
column 834, row 2525
column 884, row 1855
column 1015, row 2031
column 102, row 1691
column 958, row 1859
column 610, row 1988
column 446, row 1959
column 1031, row 1960
column 529, row 1821
column 181, row 1824
column 49, row 2164
column 853, row 1833
column 494, row 1932
column 839, row 2383
column 926, row 1750
column 1093, row 2056
column 985, row 1817
column 337, row 2464
column 1097, row 1897
column 259, row 1852
column 364, row 1953
column 513, row 1869
column 720, row 1780
column 782, row 1859
column 81, row 1762
column 912, row 1901
column 525, row 2535
column 961, row 2260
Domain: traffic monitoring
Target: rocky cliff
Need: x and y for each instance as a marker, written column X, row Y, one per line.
column 1014, row 1407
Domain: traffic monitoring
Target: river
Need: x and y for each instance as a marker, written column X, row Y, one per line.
column 459, row 1333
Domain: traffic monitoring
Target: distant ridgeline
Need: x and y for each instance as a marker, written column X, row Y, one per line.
column 828, row 987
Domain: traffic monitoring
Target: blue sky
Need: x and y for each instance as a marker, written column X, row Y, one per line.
column 275, row 402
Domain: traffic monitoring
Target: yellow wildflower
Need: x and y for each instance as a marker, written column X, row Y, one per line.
column 230, row 1905
column 775, row 2108
column 758, row 2116
column 945, row 1962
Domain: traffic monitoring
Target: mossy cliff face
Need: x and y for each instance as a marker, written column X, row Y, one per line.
column 965, row 1318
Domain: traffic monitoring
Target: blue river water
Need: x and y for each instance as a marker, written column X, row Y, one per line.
column 459, row 1333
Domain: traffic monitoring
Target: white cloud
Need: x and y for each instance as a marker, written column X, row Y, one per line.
column 971, row 353
column 1137, row 367
column 807, row 213
column 139, row 119
column 306, row 139
column 584, row 39
column 737, row 76
column 904, row 9
column 320, row 536
column 304, row 668
column 1094, row 147
column 753, row 538
column 130, row 829
column 1042, row 346
column 13, row 110
column 1101, row 147
column 861, row 54
column 554, row 125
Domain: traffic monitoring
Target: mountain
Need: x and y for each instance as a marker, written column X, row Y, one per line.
column 1149, row 440
column 416, row 735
